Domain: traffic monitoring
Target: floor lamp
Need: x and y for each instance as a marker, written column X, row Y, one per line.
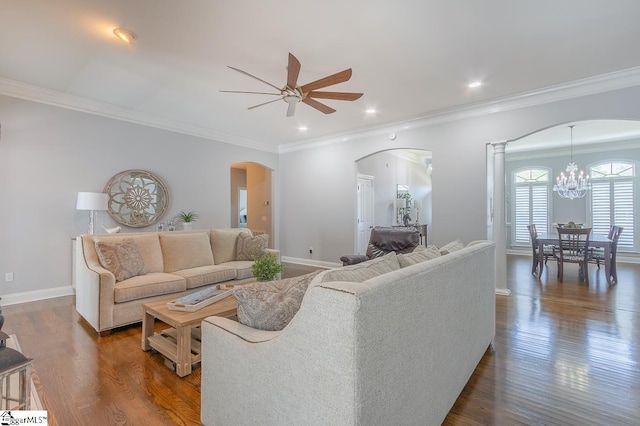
column 91, row 201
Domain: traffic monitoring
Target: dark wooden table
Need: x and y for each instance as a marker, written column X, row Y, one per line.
column 595, row 240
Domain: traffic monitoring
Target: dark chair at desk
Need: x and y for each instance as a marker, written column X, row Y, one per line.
column 573, row 247
column 384, row 240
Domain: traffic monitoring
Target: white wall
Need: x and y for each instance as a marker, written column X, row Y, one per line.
column 48, row 154
column 324, row 176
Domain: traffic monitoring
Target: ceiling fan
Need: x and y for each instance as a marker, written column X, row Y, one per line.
column 292, row 94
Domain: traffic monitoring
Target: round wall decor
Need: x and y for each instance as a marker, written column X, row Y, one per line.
column 137, row 198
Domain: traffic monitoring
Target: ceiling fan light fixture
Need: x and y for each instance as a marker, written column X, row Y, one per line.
column 125, row 35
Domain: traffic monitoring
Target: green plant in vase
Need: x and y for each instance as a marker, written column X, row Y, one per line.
column 266, row 267
column 187, row 219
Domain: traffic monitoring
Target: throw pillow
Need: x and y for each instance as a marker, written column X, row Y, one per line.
column 409, row 259
column 363, row 271
column 249, row 246
column 270, row 305
column 451, row 247
column 122, row 259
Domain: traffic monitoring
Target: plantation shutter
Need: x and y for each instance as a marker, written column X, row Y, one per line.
column 623, row 210
column 612, row 203
column 532, row 206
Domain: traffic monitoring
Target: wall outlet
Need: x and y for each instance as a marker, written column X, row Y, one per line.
column 8, row 277
column 310, row 250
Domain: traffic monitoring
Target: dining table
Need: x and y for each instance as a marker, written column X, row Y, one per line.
column 595, row 240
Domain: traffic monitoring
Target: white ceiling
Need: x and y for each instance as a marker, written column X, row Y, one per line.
column 410, row 58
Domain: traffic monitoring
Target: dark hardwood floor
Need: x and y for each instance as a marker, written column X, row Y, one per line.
column 565, row 354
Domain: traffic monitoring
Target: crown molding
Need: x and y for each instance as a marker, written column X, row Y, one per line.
column 574, row 89
column 38, row 94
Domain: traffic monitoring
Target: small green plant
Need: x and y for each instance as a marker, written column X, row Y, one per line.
column 266, row 267
column 192, row 216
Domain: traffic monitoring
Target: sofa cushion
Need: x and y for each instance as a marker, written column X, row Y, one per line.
column 148, row 247
column 121, row 258
column 270, row 305
column 223, row 243
column 203, row 275
column 248, row 246
column 451, row 247
column 154, row 284
column 242, row 267
column 362, row 271
column 184, row 251
column 409, row 259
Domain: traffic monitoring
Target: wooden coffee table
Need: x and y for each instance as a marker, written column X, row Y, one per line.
column 181, row 343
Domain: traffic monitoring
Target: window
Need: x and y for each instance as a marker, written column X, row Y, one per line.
column 531, row 195
column 612, row 200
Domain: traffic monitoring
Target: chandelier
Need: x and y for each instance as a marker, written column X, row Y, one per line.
column 569, row 186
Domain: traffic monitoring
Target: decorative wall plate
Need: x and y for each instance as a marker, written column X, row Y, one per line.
column 137, row 198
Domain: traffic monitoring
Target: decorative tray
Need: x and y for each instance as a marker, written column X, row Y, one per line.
column 199, row 299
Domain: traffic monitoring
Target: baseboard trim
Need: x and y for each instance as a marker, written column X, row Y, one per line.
column 33, row 296
column 310, row 262
column 503, row 292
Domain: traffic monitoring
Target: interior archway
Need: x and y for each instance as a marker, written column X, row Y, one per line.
column 250, row 198
column 408, row 168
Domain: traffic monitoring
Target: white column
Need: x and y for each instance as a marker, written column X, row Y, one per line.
column 499, row 217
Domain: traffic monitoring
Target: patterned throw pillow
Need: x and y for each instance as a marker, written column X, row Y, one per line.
column 270, row 305
column 122, row 259
column 409, row 259
column 451, row 247
column 249, row 246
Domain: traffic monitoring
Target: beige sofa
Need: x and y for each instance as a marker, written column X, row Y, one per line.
column 395, row 349
column 174, row 264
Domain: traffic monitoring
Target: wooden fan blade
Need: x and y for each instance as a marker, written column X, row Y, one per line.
column 291, row 109
column 339, row 77
column 265, row 103
column 253, row 93
column 319, row 106
column 339, row 96
column 293, row 69
column 253, row 76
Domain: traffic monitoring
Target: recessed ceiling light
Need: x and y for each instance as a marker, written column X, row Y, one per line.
column 303, row 128
column 371, row 111
column 474, row 84
column 125, row 35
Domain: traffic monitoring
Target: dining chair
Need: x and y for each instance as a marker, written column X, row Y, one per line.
column 547, row 250
column 597, row 253
column 573, row 247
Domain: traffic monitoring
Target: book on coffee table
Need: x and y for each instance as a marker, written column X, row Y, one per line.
column 199, row 299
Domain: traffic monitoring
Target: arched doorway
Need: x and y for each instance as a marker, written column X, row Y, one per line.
column 251, row 195
column 391, row 172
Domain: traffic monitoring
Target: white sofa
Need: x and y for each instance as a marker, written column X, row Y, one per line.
column 175, row 264
column 396, row 349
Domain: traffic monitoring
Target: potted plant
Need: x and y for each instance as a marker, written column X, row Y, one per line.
column 266, row 267
column 187, row 219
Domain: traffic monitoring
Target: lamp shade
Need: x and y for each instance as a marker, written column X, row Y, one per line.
column 92, row 201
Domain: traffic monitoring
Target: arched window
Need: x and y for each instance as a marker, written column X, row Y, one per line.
column 530, row 189
column 612, row 199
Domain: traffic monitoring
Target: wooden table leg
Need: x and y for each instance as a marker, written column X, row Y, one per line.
column 540, row 259
column 607, row 262
column 183, row 361
column 148, row 321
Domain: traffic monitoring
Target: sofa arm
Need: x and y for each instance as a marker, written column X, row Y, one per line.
column 246, row 333
column 94, row 287
column 352, row 259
